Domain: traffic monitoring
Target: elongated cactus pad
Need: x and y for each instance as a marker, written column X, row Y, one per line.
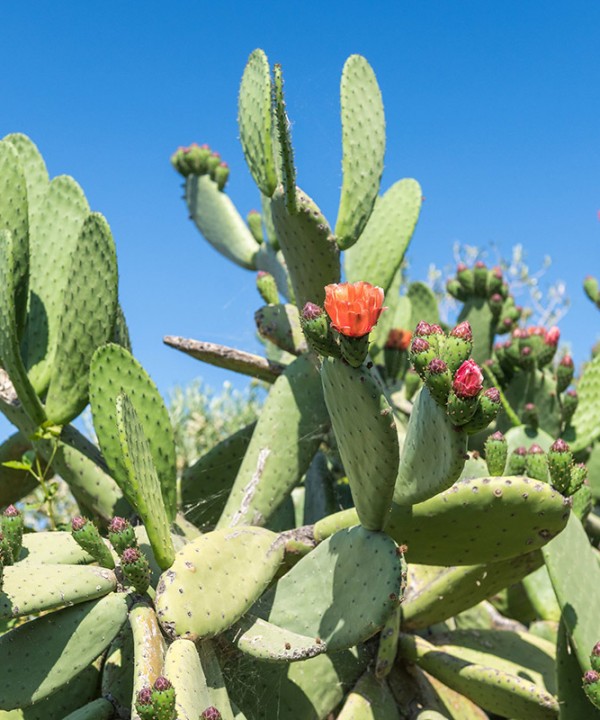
column 219, row 222
column 114, row 369
column 384, row 241
column 479, row 521
column 254, row 120
column 308, row 246
column 363, row 144
column 365, row 430
column 432, row 455
column 291, row 425
column 142, row 487
column 40, row 657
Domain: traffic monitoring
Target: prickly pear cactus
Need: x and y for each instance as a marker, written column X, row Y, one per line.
column 399, row 533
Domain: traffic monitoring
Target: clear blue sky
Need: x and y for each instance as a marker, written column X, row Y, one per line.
column 493, row 106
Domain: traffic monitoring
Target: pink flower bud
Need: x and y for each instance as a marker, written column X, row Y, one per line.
column 419, row 345
column 463, row 330
column 423, row 328
column 468, row 380
column 553, row 336
column 559, row 446
column 567, row 361
column 311, row 311
column 437, row 366
column 492, row 394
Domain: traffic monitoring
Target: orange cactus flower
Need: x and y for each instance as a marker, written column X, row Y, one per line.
column 398, row 339
column 353, row 308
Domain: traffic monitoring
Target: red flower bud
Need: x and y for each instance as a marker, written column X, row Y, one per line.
column 353, row 308
column 559, row 446
column 423, row 328
column 468, row 380
column 493, row 394
column 567, row 361
column 437, row 366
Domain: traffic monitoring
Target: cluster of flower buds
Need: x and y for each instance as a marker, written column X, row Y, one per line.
column 342, row 328
column 454, row 381
column 592, row 290
column 591, row 679
column 555, row 466
column 200, row 160
column 11, row 535
column 527, row 349
column 157, row 702
column 134, row 564
column 488, row 284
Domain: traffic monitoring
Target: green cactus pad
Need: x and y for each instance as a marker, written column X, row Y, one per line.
column 388, row 644
column 575, row 573
column 148, row 648
column 10, row 356
column 206, row 484
column 284, row 150
column 574, row 704
column 319, row 496
column 15, row 483
column 541, row 595
column 479, row 521
column 290, row 428
column 370, row 698
column 365, row 430
column 363, row 150
column 281, row 325
column 28, row 589
column 219, row 222
column 433, row 453
column 82, row 688
column 254, row 120
column 451, row 590
column 80, row 464
column 36, row 174
column 423, row 303
column 184, row 670
column 354, row 579
column 502, row 690
column 52, row 548
column 272, row 261
column 14, row 219
column 265, row 641
column 86, row 322
column 40, row 656
column 585, row 420
column 117, row 671
column 226, row 569
column 383, row 243
column 219, row 696
column 55, row 233
column 311, row 254
column 114, row 369
column 99, row 709
column 302, row 690
column 142, row 487
column 483, row 325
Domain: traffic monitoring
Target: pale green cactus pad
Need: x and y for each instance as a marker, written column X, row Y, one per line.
column 384, row 241
column 254, row 120
column 226, row 569
column 363, row 152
